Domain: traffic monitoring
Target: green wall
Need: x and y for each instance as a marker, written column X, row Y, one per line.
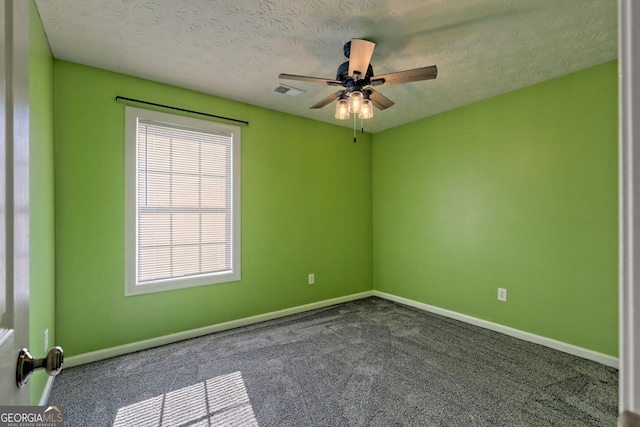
column 518, row 191
column 306, row 208
column 42, row 228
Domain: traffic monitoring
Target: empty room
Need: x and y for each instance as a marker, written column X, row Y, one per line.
column 320, row 213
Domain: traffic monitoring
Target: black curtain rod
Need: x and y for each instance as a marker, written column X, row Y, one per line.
column 181, row 109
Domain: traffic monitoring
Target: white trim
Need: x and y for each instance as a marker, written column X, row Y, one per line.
column 132, row 287
column 605, row 359
column 47, row 391
column 95, row 356
column 629, row 163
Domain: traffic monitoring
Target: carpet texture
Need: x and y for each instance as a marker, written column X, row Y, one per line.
column 364, row 363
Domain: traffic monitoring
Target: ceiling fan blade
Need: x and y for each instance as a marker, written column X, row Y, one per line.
column 310, row 79
column 360, row 56
column 328, row 100
column 424, row 73
column 380, row 101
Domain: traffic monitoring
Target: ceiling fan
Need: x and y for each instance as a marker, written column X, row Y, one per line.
column 358, row 82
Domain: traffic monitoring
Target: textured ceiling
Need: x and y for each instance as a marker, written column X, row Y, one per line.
column 237, row 48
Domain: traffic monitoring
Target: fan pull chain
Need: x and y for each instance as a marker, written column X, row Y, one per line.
column 354, row 129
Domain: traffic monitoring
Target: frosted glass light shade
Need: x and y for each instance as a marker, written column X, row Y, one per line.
column 355, row 101
column 366, row 112
column 342, row 109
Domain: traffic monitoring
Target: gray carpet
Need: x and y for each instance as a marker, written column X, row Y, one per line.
column 365, row 363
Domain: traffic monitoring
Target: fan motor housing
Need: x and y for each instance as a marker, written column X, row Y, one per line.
column 343, row 75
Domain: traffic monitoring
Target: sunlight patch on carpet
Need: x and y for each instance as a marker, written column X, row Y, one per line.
column 218, row 401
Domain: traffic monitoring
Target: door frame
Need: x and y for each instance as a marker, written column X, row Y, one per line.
column 14, row 164
column 629, row 164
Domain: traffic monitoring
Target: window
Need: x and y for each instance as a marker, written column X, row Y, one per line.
column 182, row 202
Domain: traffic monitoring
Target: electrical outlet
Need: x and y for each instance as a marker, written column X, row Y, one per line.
column 502, row 294
column 46, row 339
column 312, row 279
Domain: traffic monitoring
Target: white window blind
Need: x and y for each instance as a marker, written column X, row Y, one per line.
column 185, row 203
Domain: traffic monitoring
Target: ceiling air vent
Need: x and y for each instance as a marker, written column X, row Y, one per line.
column 288, row 90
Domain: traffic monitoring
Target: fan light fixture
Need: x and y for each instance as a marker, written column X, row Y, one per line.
column 354, row 102
column 342, row 109
column 366, row 112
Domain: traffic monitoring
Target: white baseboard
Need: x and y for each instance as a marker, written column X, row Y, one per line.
column 95, row 356
column 605, row 359
column 47, row 390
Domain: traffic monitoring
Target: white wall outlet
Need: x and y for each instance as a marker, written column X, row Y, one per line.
column 312, row 279
column 502, row 294
column 46, row 339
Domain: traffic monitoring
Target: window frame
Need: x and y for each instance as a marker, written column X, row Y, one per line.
column 132, row 286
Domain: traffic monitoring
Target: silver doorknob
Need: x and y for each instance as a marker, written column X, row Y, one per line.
column 27, row 364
